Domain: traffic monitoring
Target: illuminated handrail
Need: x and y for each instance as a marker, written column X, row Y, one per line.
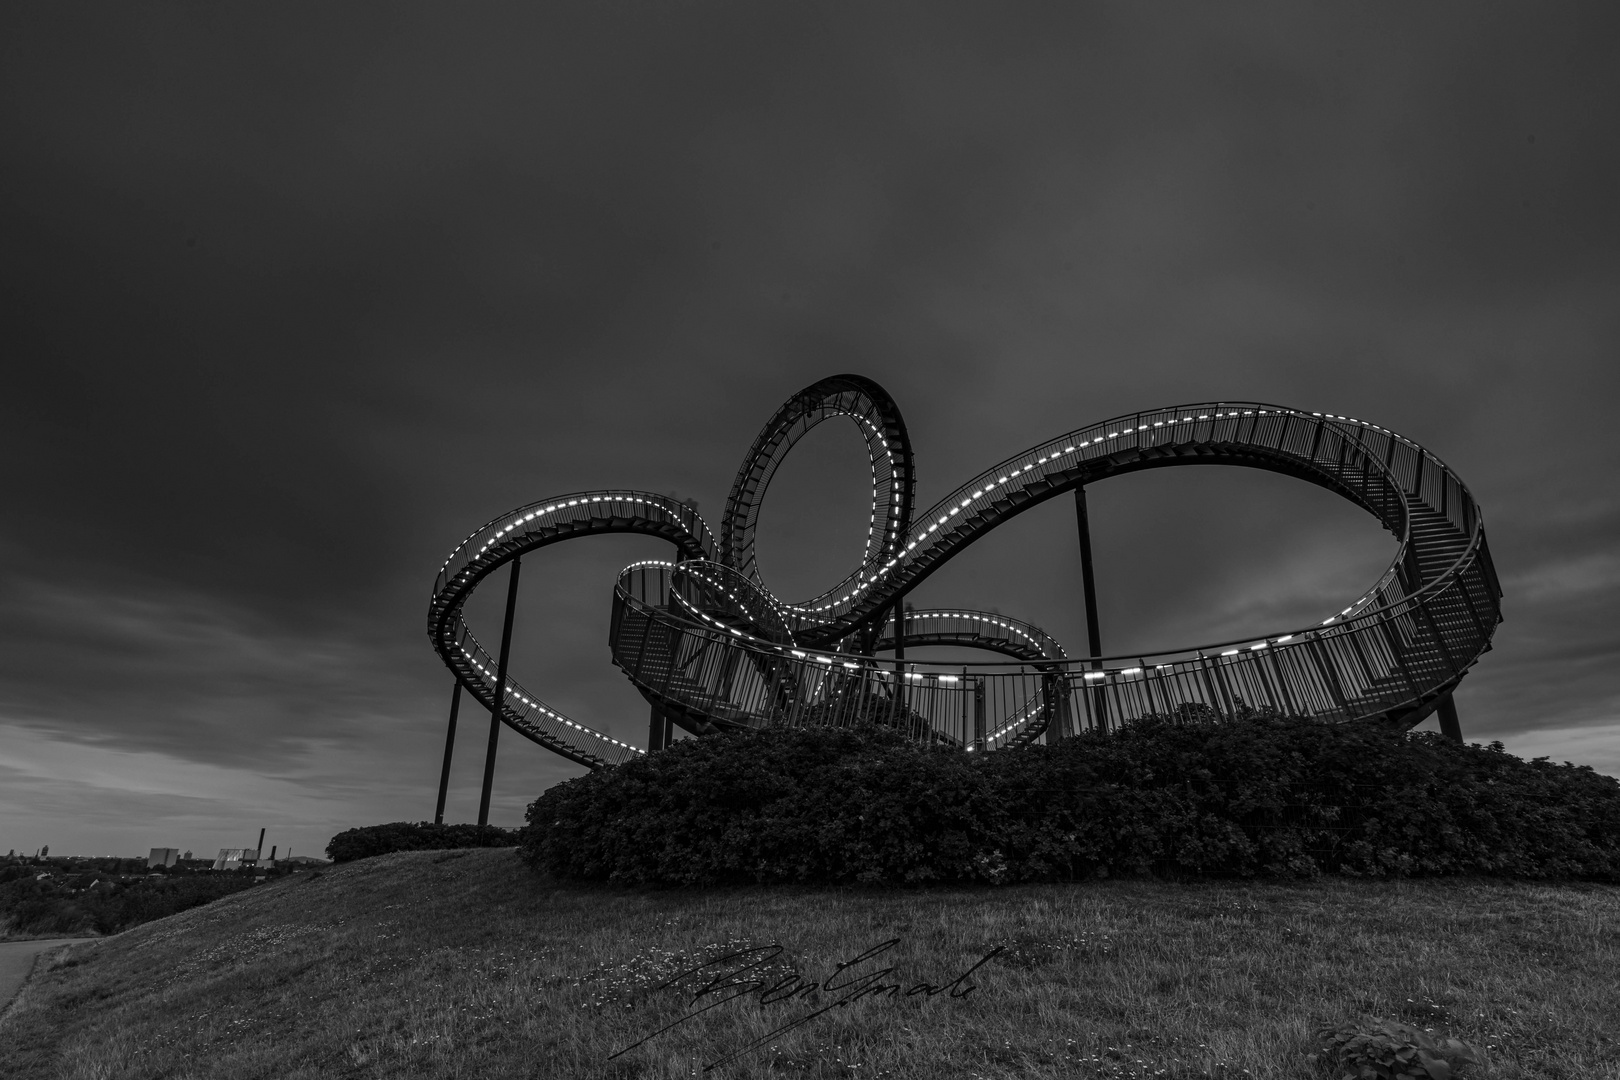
column 508, row 536
column 1036, row 468
column 707, row 641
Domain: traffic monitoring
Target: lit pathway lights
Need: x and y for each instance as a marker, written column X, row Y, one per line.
column 711, row 647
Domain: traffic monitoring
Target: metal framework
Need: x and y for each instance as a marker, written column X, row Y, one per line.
column 711, row 647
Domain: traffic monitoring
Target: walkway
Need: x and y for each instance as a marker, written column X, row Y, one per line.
column 17, row 960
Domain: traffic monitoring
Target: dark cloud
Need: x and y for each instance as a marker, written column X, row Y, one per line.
column 296, row 299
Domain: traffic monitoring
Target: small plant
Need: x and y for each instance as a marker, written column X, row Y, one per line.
column 991, row 866
column 1387, row 1050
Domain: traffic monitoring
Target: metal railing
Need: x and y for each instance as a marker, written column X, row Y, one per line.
column 1374, row 663
column 1390, row 653
column 507, row 537
column 1371, row 465
column 713, row 647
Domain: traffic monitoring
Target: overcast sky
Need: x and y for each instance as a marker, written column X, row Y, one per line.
column 295, row 298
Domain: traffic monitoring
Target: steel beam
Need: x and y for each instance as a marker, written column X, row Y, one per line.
column 449, row 748
column 980, row 727
column 1449, row 725
column 902, row 696
column 1088, row 583
column 900, row 627
column 1087, row 579
column 500, row 694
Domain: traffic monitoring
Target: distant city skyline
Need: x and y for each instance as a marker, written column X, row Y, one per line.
column 298, row 301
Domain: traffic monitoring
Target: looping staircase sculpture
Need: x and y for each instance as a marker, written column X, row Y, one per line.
column 711, row 647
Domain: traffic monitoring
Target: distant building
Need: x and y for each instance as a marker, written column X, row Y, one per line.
column 305, row 860
column 187, row 855
column 234, row 858
column 162, row 856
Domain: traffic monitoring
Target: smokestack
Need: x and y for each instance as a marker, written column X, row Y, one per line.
column 261, row 843
column 272, row 852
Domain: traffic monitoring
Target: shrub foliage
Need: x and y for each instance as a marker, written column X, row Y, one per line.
column 1386, row 1050
column 30, row 905
column 1267, row 796
column 369, row 840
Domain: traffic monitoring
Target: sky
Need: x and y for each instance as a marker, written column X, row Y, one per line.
column 296, row 297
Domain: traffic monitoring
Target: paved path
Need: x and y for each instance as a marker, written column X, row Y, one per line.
column 17, row 960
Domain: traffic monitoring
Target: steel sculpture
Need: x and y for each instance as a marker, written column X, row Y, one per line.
column 711, row 647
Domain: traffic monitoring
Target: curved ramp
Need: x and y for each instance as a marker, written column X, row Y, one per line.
column 706, row 641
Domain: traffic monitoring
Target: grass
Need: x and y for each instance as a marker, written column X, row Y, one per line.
column 466, row 964
column 8, row 935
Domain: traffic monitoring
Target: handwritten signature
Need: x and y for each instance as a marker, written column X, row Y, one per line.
column 729, row 979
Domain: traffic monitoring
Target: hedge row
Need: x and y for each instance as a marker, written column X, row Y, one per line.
column 362, row 843
column 1269, row 796
column 55, row 906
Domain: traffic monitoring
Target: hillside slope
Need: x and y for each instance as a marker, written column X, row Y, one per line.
column 464, row 963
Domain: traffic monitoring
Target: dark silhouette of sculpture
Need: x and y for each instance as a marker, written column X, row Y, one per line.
column 711, row 647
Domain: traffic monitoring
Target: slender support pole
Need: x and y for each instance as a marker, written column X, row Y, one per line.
column 660, row 730
column 1088, row 582
column 449, row 748
column 1449, row 725
column 901, row 696
column 500, row 695
column 900, row 628
column 979, row 717
column 967, row 701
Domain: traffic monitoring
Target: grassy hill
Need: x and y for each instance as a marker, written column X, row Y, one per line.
column 465, row 964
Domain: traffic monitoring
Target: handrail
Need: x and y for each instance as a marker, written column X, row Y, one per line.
column 1124, row 432
column 710, row 645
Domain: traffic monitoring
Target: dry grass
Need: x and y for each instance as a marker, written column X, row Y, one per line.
column 464, row 964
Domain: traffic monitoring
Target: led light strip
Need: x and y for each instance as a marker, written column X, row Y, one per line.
column 962, row 500
column 927, row 540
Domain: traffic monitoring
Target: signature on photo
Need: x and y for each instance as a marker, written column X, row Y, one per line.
column 737, row 975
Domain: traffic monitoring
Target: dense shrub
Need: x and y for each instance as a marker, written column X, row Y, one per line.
column 68, row 906
column 1387, row 1050
column 1267, row 796
column 369, row 840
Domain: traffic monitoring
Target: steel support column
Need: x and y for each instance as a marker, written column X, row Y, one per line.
column 902, row 696
column 660, row 728
column 980, row 727
column 1449, row 725
column 1088, row 583
column 449, row 748
column 1088, row 580
column 900, row 628
column 500, row 694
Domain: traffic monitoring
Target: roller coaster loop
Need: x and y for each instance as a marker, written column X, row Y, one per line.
column 712, row 648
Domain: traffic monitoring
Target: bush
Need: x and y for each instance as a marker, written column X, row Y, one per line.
column 369, row 840
column 1385, row 1050
column 29, row 906
column 1268, row 796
